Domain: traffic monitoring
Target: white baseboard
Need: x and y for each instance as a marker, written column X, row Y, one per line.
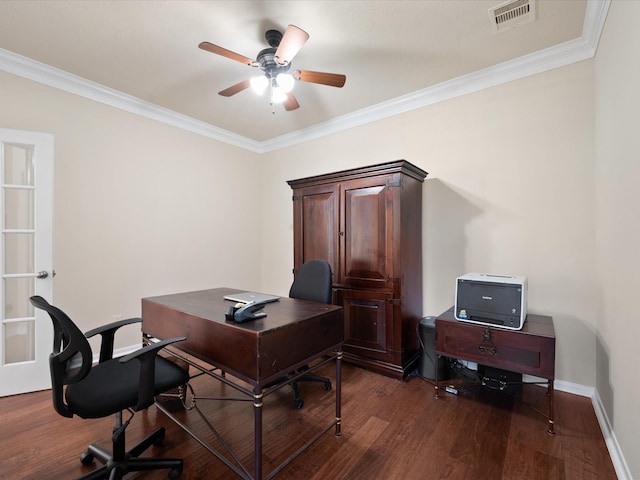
column 574, row 388
column 619, row 463
column 119, row 352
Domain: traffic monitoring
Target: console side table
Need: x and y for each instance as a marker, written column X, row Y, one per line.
column 528, row 351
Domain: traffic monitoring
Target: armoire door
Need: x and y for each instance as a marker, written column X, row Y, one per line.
column 316, row 216
column 367, row 322
column 366, row 232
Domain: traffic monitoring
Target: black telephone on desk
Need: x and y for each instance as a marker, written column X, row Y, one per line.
column 245, row 312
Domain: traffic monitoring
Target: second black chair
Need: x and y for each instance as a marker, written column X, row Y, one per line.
column 312, row 282
column 109, row 387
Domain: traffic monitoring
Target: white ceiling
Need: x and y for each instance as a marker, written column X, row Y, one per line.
column 395, row 54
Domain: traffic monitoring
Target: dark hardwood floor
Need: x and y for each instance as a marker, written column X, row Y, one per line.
column 390, row 430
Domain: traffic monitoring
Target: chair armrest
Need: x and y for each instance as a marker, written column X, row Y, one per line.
column 147, row 358
column 108, row 333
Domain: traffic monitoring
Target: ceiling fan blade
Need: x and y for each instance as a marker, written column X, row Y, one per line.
column 331, row 79
column 291, row 103
column 238, row 87
column 210, row 47
column 292, row 41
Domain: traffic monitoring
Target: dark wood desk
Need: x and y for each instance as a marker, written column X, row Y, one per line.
column 530, row 350
column 294, row 333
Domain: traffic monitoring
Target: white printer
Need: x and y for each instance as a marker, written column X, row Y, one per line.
column 494, row 300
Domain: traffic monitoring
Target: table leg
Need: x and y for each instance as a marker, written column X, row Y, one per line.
column 257, row 411
column 338, row 393
column 550, row 390
column 436, row 381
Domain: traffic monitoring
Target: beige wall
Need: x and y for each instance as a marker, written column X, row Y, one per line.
column 617, row 76
column 510, row 191
column 141, row 208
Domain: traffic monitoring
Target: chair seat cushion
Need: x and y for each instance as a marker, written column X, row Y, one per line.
column 112, row 386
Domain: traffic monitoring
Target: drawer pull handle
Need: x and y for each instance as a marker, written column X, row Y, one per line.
column 487, row 349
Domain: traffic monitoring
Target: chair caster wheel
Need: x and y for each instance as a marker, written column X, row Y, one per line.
column 298, row 403
column 86, row 458
column 327, row 386
column 175, row 473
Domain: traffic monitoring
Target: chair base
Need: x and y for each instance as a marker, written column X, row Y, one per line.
column 118, row 463
column 297, row 398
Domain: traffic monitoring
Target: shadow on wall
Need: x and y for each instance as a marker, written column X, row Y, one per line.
column 603, row 378
column 446, row 214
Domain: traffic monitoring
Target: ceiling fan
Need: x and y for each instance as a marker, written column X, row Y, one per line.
column 275, row 63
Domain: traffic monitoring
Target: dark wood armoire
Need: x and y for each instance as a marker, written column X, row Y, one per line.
column 367, row 223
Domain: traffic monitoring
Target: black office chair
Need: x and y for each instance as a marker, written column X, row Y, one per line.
column 109, row 387
column 312, row 282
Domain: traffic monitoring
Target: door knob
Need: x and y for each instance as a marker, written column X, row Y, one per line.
column 42, row 274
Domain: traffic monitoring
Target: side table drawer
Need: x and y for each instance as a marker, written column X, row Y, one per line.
column 514, row 350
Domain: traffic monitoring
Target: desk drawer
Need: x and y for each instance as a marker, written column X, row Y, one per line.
column 516, row 351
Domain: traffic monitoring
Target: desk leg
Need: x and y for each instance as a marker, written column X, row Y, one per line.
column 338, row 393
column 550, row 390
column 436, row 384
column 257, row 411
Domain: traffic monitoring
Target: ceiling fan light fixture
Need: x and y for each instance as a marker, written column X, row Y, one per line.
column 285, row 82
column 278, row 95
column 259, row 84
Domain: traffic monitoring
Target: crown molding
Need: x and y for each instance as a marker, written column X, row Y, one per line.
column 557, row 56
column 53, row 77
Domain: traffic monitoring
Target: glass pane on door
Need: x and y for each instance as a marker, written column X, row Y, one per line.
column 18, row 164
column 19, row 211
column 16, row 297
column 19, row 345
column 18, row 253
column 18, row 249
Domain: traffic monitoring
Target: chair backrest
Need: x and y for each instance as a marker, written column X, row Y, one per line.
column 71, row 358
column 312, row 282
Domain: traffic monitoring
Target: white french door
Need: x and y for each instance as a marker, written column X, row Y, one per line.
column 26, row 250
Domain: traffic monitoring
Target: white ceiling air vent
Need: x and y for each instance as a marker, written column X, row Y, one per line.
column 512, row 14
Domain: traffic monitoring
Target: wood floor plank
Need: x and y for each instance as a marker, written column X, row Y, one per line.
column 391, row 430
column 356, row 443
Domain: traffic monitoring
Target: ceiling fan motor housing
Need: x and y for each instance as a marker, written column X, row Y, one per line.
column 267, row 61
column 273, row 38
